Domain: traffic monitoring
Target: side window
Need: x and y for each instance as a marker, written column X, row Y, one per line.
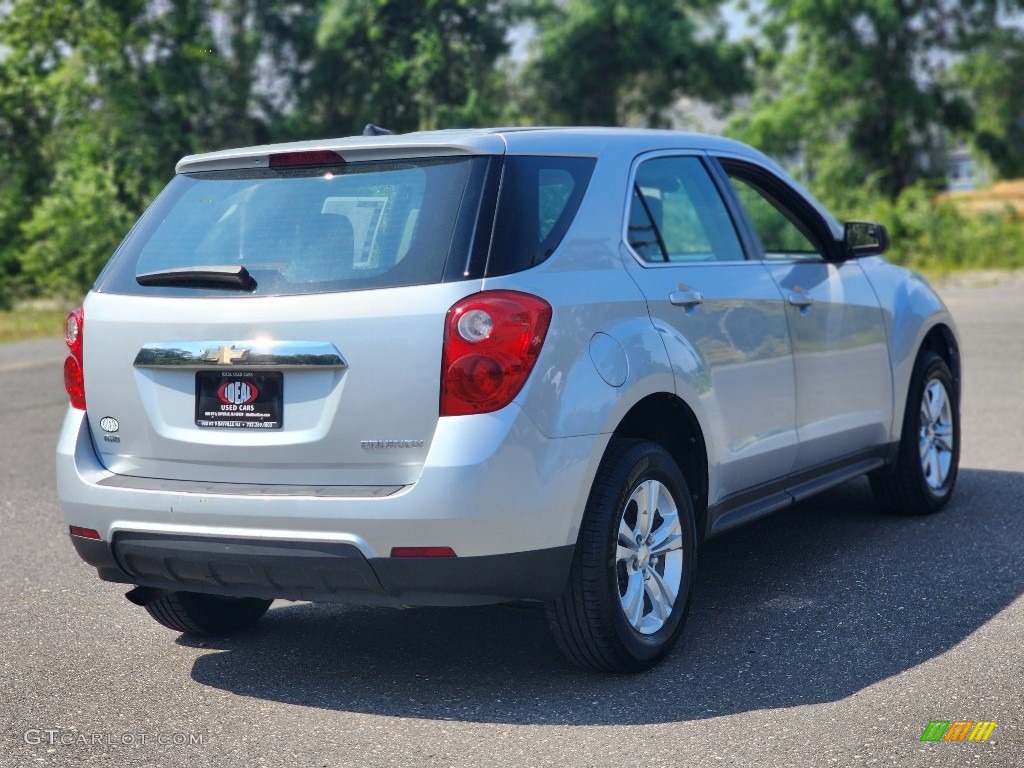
column 677, row 215
column 783, row 236
column 539, row 199
column 555, row 186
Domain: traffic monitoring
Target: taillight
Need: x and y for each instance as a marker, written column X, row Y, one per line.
column 491, row 342
column 74, row 379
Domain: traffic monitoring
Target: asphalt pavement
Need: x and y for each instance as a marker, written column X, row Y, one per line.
column 828, row 634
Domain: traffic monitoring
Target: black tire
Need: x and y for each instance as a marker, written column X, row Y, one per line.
column 195, row 613
column 906, row 487
column 589, row 620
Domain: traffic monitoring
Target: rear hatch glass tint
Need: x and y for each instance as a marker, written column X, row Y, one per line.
column 302, row 230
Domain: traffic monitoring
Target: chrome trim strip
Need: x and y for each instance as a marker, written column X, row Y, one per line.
column 239, row 354
column 208, row 488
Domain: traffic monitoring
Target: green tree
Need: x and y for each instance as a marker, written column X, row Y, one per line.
column 854, row 90
column 405, row 65
column 992, row 78
column 26, row 116
column 99, row 99
column 614, row 62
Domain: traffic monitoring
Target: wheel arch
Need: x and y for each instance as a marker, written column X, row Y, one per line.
column 666, row 419
column 916, row 319
column 941, row 340
column 904, row 487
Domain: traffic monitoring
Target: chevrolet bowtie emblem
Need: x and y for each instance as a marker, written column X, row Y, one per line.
column 225, row 355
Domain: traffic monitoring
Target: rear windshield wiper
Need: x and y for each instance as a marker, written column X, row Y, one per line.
column 226, row 277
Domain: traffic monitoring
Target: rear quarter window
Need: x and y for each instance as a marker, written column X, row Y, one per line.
column 539, row 199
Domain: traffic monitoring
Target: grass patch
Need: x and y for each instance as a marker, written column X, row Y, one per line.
column 33, row 321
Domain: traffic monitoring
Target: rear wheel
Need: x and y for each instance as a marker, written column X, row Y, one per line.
column 922, row 480
column 633, row 570
column 195, row 613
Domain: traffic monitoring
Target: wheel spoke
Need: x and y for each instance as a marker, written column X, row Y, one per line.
column 639, row 497
column 663, row 595
column 633, row 600
column 933, row 396
column 654, row 493
column 624, row 554
column 626, row 547
column 944, row 436
column 657, row 490
column 668, row 537
column 939, row 402
column 934, row 469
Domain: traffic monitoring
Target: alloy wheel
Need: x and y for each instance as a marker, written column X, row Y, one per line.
column 649, row 557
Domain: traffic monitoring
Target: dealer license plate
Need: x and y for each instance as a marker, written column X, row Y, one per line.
column 239, row 399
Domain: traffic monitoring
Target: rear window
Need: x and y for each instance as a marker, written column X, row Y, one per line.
column 348, row 227
column 355, row 226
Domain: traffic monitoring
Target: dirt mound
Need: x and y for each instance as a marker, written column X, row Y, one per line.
column 1000, row 197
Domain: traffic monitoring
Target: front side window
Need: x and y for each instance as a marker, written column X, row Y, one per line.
column 677, row 215
column 783, row 235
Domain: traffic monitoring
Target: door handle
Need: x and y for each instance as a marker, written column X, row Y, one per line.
column 801, row 300
column 686, row 299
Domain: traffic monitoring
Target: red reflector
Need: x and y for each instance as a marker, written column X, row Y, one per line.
column 312, row 157
column 422, row 552
column 85, row 533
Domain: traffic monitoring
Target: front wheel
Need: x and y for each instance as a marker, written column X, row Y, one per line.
column 922, row 480
column 633, row 570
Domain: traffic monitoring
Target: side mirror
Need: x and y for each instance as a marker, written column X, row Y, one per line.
column 864, row 238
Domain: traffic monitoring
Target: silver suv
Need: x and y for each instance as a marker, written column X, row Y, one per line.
column 467, row 367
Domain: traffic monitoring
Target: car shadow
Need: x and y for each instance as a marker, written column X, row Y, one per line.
column 810, row 605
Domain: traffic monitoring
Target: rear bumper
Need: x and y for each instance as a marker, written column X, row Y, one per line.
column 505, row 498
column 323, row 572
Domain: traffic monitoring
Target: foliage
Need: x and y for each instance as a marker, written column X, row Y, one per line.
column 99, row 98
column 853, row 89
column 933, row 234
column 406, row 66
column 614, row 62
column 993, row 78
